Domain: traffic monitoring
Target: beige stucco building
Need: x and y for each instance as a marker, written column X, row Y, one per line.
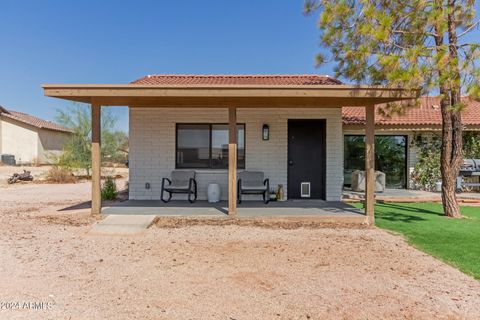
column 29, row 139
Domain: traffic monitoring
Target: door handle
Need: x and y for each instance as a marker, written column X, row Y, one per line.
column 290, row 162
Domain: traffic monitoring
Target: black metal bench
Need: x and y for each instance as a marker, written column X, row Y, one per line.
column 182, row 181
column 253, row 182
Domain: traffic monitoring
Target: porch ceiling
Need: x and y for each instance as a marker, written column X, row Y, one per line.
column 242, row 96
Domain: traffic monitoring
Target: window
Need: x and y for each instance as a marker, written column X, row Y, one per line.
column 206, row 146
column 390, row 158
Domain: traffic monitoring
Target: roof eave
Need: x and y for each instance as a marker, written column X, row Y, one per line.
column 405, row 126
column 115, row 94
column 32, row 125
column 223, row 86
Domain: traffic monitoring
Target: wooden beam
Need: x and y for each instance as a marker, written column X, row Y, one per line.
column 232, row 160
column 370, row 164
column 96, row 160
column 309, row 95
column 321, row 91
column 239, row 102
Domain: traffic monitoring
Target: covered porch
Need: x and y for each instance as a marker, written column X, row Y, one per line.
column 216, row 99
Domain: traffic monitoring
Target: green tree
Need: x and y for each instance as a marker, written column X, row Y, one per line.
column 77, row 149
column 115, row 146
column 410, row 44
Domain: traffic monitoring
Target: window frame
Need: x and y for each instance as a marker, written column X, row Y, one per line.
column 210, row 126
column 406, row 148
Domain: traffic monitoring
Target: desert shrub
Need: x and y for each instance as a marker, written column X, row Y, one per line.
column 109, row 189
column 36, row 162
column 58, row 174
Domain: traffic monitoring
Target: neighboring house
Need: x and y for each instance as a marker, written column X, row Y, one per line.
column 396, row 137
column 30, row 139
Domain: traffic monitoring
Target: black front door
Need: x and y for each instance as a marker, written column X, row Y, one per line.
column 306, row 159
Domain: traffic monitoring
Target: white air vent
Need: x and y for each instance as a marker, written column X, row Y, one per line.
column 305, row 189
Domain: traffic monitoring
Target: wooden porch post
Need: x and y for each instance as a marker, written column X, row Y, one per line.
column 232, row 160
column 370, row 164
column 96, row 161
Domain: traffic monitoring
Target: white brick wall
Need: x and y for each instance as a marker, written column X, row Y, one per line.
column 152, row 146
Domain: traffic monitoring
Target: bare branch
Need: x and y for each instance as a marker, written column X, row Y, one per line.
column 468, row 29
column 411, row 32
column 360, row 14
column 398, row 46
column 468, row 45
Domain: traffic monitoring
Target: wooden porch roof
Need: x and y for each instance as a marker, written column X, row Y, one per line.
column 241, row 96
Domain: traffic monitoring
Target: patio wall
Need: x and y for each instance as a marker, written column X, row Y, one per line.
column 152, row 146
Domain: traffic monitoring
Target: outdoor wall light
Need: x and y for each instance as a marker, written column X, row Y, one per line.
column 265, row 132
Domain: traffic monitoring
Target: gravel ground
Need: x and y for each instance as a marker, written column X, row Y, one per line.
column 218, row 272
column 7, row 171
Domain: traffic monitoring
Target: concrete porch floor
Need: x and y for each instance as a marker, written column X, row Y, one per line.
column 317, row 209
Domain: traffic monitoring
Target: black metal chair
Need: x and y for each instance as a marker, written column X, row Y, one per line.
column 182, row 181
column 253, row 182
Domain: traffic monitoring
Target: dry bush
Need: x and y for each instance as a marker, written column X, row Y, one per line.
column 36, row 162
column 60, row 175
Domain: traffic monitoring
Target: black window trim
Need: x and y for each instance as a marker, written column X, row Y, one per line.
column 210, row 125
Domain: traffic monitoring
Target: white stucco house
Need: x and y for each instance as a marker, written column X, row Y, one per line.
column 289, row 127
column 29, row 139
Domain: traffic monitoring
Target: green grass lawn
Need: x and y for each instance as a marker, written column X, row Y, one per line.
column 455, row 241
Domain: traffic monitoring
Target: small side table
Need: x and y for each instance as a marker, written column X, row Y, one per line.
column 213, row 192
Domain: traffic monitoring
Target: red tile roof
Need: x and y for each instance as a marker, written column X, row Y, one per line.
column 31, row 120
column 428, row 113
column 253, row 79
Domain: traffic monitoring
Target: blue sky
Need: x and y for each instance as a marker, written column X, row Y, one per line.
column 92, row 41
column 120, row 41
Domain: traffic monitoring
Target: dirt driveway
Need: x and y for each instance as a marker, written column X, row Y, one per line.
column 209, row 272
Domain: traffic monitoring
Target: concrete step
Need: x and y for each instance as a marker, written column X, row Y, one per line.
column 122, row 225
